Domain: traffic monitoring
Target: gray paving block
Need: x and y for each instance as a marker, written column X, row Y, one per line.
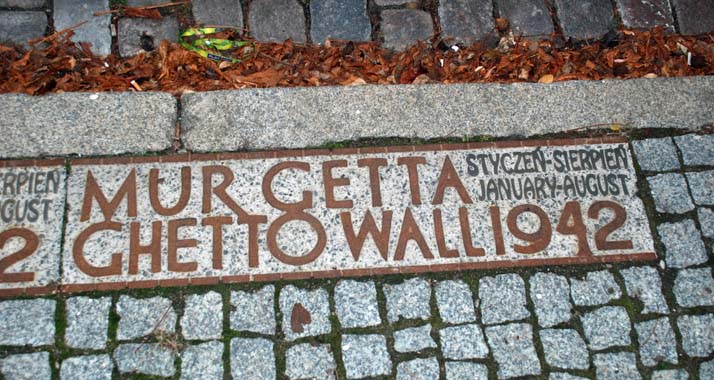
column 657, row 342
column 526, row 17
column 402, row 28
column 218, row 12
column 691, row 16
column 27, row 322
column 339, row 19
column 607, row 327
column 277, row 20
column 706, row 370
column 463, row 342
column 303, row 117
column 22, row 4
column 138, row 35
column 564, row 348
column 696, row 150
column 96, row 30
column 513, row 350
column 697, row 333
column 142, row 317
column 455, row 302
column 645, row 284
column 308, row 361
column 671, row 374
column 596, row 289
column 550, row 294
column 422, row 369
column 564, row 376
column 203, row 316
column 670, row 193
column 35, row 366
column 252, row 358
column 466, row 21
column 413, row 339
column 315, row 302
column 656, row 155
column 682, row 244
column 465, row 371
column 503, row 298
column 202, row 361
column 356, row 304
column 20, row 27
column 95, row 367
column 646, row 14
column 86, row 124
column 254, row 311
column 145, row 358
column 616, row 366
column 585, row 19
column 702, row 186
column 87, row 322
column 408, row 300
column 694, row 287
column 706, row 221
column 365, row 355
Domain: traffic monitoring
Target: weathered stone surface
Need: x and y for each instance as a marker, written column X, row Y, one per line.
column 408, row 300
column 696, row 150
column 277, row 20
column 466, row 21
column 141, row 317
column 706, row 370
column 671, row 374
column 697, row 334
column 252, row 358
column 616, row 366
column 27, row 322
column 422, row 369
column 202, row 361
column 690, row 16
column 138, row 35
column 22, row 4
column 95, row 367
column 596, row 289
column 606, row 327
column 550, row 295
column 513, row 350
column 526, row 18
column 402, row 28
column 585, row 19
column 683, row 245
column 463, row 342
column 564, row 376
column 339, row 19
column 645, row 14
column 455, row 302
column 306, row 361
column 656, row 155
column 503, row 298
column 356, row 304
column 694, row 287
column 203, row 316
column 87, row 322
column 657, row 342
column 564, row 349
column 19, row 27
column 413, row 339
column 145, row 358
column 670, row 193
column 645, row 284
column 706, row 221
column 35, row 366
column 218, row 12
column 254, row 311
column 702, row 186
column 315, row 302
column 281, row 117
column 382, row 3
column 86, row 124
column 365, row 355
column 96, row 30
column 465, row 371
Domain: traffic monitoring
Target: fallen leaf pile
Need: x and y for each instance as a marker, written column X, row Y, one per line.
column 61, row 65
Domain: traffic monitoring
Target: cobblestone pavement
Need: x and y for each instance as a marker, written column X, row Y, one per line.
column 396, row 24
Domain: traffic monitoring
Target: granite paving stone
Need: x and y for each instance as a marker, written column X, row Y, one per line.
column 564, row 349
column 564, row 376
column 616, row 366
column 656, row 155
column 689, row 16
column 683, row 245
column 645, row 14
column 550, row 294
column 526, row 17
column 503, row 298
column 694, row 287
column 607, row 327
column 466, row 21
column 382, row 3
column 254, row 311
column 315, row 302
column 702, row 186
column 671, row 374
column 645, row 284
column 27, row 322
column 18, row 27
column 657, row 342
column 706, row 370
column 413, row 339
column 308, row 361
column 465, row 371
column 365, row 355
column 585, row 19
column 696, row 150
column 95, row 367
column 203, row 317
column 87, row 322
column 138, row 35
column 408, row 300
column 339, row 19
column 35, row 366
column 697, row 333
column 463, row 342
column 96, row 30
column 422, row 369
column 22, row 4
column 202, row 361
column 218, row 12
column 277, row 21
column 141, row 317
column 356, row 304
column 455, row 302
column 252, row 358
column 670, row 193
column 597, row 288
column 513, row 350
column 145, row 358
column 706, row 221
column 402, row 28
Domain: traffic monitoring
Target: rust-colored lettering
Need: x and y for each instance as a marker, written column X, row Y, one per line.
column 539, row 239
column 373, row 164
column 216, row 223
column 253, row 221
column 411, row 163
column 368, row 227
column 311, row 256
column 331, row 182
column 471, row 251
column 602, row 234
column 154, row 197
column 410, row 231
column 220, row 191
column 175, row 243
column 93, row 191
column 572, row 211
column 306, row 201
column 136, row 249
column 32, row 241
column 114, row 267
column 444, row 251
column 497, row 230
column 449, row 178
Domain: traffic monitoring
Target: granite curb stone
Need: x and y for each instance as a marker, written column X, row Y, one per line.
column 34, row 366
